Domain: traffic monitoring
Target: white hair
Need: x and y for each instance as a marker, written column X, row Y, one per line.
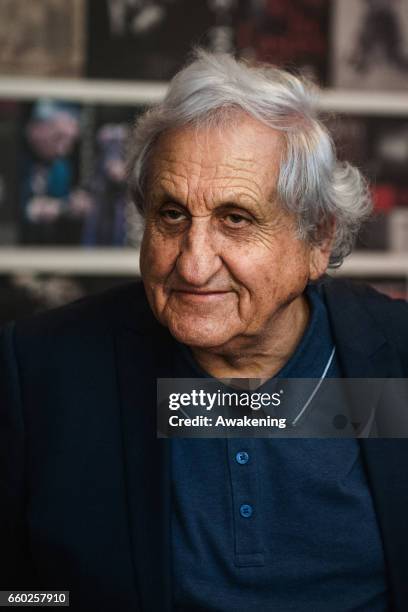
column 321, row 191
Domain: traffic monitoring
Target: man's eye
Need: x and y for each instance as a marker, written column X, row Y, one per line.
column 172, row 215
column 236, row 220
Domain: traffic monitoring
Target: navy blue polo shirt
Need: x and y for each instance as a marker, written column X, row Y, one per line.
column 279, row 525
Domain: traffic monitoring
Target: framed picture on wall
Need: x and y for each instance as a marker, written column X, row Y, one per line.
column 370, row 44
column 42, row 37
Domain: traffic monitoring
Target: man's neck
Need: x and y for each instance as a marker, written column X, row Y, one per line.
column 258, row 357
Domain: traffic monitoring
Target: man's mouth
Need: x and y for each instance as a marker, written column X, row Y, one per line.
column 199, row 295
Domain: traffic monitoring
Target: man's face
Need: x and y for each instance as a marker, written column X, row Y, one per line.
column 220, row 259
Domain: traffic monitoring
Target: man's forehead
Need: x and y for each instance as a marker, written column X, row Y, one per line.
column 243, row 149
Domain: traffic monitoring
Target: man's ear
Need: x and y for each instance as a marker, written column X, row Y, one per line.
column 320, row 252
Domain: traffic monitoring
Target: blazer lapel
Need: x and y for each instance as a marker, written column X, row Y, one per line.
column 362, row 348
column 364, row 352
column 386, row 462
column 146, row 458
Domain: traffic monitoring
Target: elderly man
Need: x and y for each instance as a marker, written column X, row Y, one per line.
column 245, row 208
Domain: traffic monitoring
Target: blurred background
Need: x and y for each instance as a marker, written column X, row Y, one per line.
column 75, row 73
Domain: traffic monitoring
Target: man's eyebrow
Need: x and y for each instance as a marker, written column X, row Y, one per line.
column 164, row 195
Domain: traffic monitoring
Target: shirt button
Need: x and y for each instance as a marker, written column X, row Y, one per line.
column 242, row 457
column 246, row 510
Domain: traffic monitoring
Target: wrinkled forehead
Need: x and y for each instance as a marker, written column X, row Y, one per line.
column 243, row 153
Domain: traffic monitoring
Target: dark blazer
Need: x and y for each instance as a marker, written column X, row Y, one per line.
column 84, row 482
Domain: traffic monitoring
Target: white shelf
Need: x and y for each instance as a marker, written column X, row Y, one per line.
column 74, row 260
column 364, row 102
column 125, row 261
column 372, row 264
column 147, row 92
column 81, row 90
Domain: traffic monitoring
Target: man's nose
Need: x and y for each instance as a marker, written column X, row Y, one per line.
column 198, row 260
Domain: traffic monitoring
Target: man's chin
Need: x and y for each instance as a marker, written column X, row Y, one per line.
column 199, row 335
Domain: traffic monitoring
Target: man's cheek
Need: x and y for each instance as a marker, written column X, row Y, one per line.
column 156, row 255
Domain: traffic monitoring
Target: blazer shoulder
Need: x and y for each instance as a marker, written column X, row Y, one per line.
column 84, row 325
column 101, row 310
column 389, row 314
